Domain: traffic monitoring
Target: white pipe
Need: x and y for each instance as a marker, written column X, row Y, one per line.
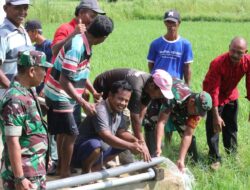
column 86, row 178
column 121, row 181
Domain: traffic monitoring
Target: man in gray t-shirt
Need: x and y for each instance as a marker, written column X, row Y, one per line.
column 144, row 89
column 104, row 135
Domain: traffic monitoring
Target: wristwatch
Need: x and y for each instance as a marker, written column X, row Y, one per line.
column 18, row 180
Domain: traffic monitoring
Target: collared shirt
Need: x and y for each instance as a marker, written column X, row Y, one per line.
column 12, row 41
column 21, row 116
column 72, row 62
column 222, row 78
column 177, row 107
column 105, row 119
column 170, row 55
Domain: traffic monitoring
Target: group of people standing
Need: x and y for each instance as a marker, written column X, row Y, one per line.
column 160, row 100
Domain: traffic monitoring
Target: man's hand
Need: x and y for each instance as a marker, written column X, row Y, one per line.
column 135, row 148
column 158, row 152
column 218, row 123
column 145, row 151
column 80, row 28
column 89, row 108
column 24, row 185
column 97, row 96
column 180, row 164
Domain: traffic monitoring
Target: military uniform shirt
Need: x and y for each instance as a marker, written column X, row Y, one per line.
column 177, row 107
column 21, row 116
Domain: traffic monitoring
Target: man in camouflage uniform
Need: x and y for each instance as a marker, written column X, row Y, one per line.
column 24, row 133
column 184, row 111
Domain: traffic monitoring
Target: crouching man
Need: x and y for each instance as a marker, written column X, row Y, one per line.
column 103, row 136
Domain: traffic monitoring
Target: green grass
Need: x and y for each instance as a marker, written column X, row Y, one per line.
column 191, row 10
column 127, row 46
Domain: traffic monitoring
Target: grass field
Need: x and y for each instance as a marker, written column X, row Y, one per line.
column 191, row 10
column 127, row 46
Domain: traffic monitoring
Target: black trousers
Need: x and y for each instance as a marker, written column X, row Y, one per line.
column 228, row 113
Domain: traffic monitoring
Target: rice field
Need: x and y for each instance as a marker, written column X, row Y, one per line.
column 128, row 45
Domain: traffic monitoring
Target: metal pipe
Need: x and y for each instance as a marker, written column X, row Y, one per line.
column 121, row 181
column 86, row 178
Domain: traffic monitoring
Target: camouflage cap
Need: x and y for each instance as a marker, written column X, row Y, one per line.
column 203, row 103
column 31, row 58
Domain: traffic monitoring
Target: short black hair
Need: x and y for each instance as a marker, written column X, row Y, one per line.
column 32, row 25
column 21, row 69
column 120, row 84
column 101, row 26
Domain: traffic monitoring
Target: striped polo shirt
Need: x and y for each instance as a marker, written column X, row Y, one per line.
column 72, row 62
column 12, row 41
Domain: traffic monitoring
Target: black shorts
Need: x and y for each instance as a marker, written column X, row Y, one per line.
column 61, row 122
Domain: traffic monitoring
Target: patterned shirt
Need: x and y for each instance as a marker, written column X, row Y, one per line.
column 72, row 62
column 12, row 40
column 20, row 115
column 177, row 107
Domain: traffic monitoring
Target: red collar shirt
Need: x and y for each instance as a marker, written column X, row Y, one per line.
column 223, row 77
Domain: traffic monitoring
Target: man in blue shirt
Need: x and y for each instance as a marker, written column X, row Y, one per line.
column 173, row 54
column 34, row 29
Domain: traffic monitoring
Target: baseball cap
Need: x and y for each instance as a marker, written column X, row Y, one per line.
column 31, row 58
column 203, row 102
column 164, row 81
column 90, row 4
column 172, row 15
column 33, row 25
column 18, row 2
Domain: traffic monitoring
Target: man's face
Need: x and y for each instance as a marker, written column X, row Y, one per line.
column 16, row 13
column 38, row 76
column 99, row 40
column 32, row 34
column 191, row 108
column 172, row 26
column 236, row 51
column 87, row 16
column 155, row 94
column 119, row 101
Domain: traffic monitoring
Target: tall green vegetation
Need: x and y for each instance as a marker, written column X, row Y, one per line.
column 128, row 45
column 192, row 10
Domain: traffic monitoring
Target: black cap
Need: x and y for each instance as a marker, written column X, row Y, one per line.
column 172, row 15
column 33, row 25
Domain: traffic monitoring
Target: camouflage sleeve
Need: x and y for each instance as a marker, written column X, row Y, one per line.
column 13, row 118
column 167, row 106
column 193, row 121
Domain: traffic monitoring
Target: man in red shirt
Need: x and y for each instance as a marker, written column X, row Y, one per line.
column 221, row 80
column 85, row 12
